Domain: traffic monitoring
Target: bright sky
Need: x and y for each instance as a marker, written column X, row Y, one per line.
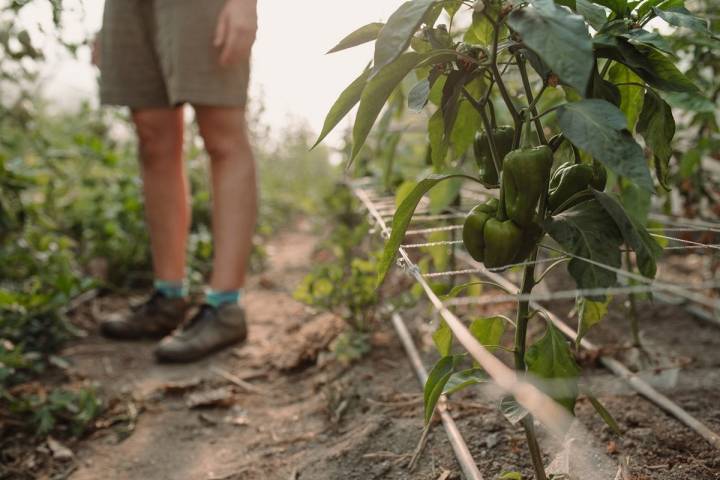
column 290, row 69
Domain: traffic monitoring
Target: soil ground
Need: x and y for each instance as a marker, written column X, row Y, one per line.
column 278, row 407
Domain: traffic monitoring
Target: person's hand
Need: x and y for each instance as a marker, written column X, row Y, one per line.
column 95, row 51
column 235, row 32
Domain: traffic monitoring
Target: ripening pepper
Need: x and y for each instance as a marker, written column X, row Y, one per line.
column 570, row 179
column 490, row 239
column 503, row 137
column 525, row 175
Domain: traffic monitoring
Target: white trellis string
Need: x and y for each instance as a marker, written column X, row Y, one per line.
column 433, row 230
column 568, row 294
column 688, row 242
column 701, row 299
column 496, row 269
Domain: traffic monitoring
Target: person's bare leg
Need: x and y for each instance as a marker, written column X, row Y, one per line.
column 165, row 188
column 224, row 131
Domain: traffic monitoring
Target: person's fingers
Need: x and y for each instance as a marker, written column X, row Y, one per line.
column 221, row 30
column 228, row 48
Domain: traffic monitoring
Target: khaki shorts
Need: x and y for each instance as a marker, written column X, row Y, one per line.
column 160, row 53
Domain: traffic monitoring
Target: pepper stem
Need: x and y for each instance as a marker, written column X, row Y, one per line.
column 527, row 140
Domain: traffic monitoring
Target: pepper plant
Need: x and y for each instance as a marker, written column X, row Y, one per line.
column 582, row 86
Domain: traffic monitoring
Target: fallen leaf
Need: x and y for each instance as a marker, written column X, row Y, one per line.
column 59, row 451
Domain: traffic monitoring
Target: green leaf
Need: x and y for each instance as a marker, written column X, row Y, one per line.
column 617, row 6
column 395, row 36
column 668, row 76
column 463, row 379
column 657, row 126
column 651, row 65
column 443, row 337
column 590, row 313
column 652, row 39
column 438, row 141
column 631, row 95
column 693, row 102
column 551, row 359
column 681, row 17
column 636, row 201
column 404, row 214
column 452, row 6
column 467, row 123
column 364, row 34
column 376, row 93
column 586, row 230
column 635, row 235
column 435, row 383
column 604, row 414
column 488, row 331
column 559, row 37
column 594, row 15
column 418, row 96
column 345, row 102
column 599, row 127
column 480, row 31
column 512, row 410
column 511, row 476
column 444, row 194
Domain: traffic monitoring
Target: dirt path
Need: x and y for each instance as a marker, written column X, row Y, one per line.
column 324, row 421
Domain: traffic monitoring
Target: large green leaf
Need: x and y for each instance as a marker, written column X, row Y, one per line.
column 488, row 331
column 631, row 95
column 345, row 102
column 650, row 64
column 635, row 235
column 364, row 34
column 681, row 17
column 376, row 93
column 559, row 37
column 590, row 313
column 586, row 230
column 668, row 76
column 551, row 359
column 395, row 36
column 653, row 39
column 435, row 383
column 599, row 128
column 403, row 216
column 657, row 126
column 594, row 14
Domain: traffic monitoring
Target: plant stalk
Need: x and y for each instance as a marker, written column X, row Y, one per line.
column 634, row 319
column 523, row 314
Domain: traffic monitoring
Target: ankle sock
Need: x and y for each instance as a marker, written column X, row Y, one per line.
column 171, row 289
column 217, row 298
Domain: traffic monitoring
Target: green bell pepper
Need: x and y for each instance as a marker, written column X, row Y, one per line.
column 525, row 175
column 503, row 137
column 490, row 239
column 570, row 179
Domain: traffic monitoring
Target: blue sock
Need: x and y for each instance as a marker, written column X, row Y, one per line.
column 171, row 289
column 217, row 299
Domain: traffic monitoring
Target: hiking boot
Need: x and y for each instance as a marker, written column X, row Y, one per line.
column 209, row 330
column 155, row 318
